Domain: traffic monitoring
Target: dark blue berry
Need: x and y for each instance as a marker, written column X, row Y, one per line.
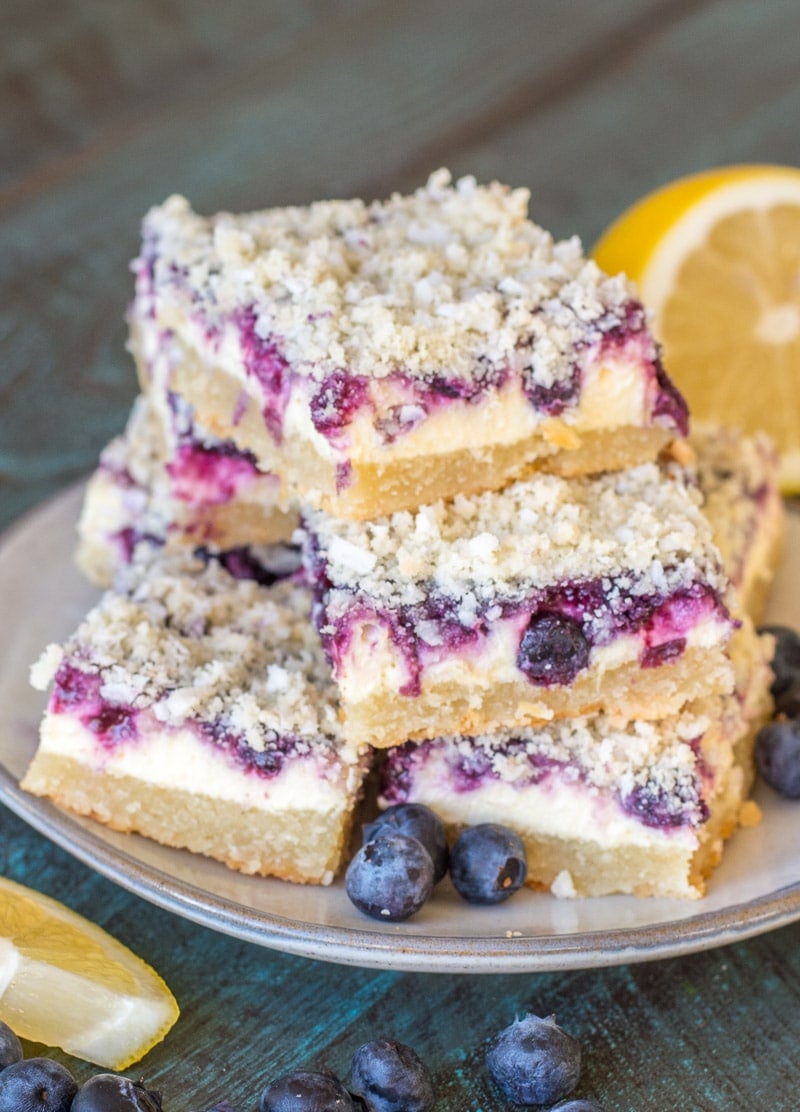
column 390, row 877
column 534, row 1061
column 391, row 1077
column 36, row 1085
column 10, row 1046
column 786, row 668
column 417, row 821
column 553, row 649
column 778, row 756
column 109, row 1092
column 488, row 863
column 306, row 1091
column 578, row 1105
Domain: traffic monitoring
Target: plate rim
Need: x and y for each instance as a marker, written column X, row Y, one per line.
column 382, row 948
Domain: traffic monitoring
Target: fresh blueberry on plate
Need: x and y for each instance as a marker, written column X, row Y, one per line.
column 778, row 756
column 417, row 821
column 488, row 863
column 390, row 877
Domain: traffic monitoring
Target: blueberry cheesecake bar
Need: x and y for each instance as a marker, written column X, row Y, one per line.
column 165, row 483
column 381, row 356
column 738, row 476
column 604, row 806
column 198, row 709
column 553, row 597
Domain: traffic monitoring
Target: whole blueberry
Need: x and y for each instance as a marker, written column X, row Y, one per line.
column 553, row 649
column 534, row 1061
column 778, row 756
column 391, row 1077
column 306, row 1091
column 390, row 877
column 417, row 821
column 488, row 863
column 109, row 1092
column 10, row 1046
column 786, row 668
column 36, row 1085
column 578, row 1105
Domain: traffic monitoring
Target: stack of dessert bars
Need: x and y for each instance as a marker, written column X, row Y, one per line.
column 407, row 488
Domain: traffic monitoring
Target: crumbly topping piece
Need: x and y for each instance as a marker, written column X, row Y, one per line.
column 452, row 278
column 643, row 528
column 187, row 641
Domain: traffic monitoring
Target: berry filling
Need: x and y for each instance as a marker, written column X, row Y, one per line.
column 400, row 402
column 209, row 475
column 78, row 693
column 264, row 362
column 557, row 628
column 472, row 767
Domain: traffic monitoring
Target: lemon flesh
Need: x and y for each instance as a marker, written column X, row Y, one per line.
column 65, row 982
column 717, row 260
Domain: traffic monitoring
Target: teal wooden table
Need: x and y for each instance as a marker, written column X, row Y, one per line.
column 107, row 108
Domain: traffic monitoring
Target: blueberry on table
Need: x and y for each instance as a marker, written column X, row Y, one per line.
column 10, row 1046
column 306, row 1091
column 390, row 877
column 390, row 1077
column 488, row 863
column 36, row 1085
column 534, row 1061
column 109, row 1092
column 417, row 821
column 577, row 1105
column 786, row 668
column 778, row 756
column 553, row 649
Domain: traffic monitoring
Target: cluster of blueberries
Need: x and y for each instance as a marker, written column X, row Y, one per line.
column 405, row 854
column 44, row 1085
column 778, row 743
column 533, row 1061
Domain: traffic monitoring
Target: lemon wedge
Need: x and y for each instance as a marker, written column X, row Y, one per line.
column 716, row 257
column 65, row 982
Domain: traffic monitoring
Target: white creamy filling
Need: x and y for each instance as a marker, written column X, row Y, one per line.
column 178, row 759
column 552, row 808
column 374, row 664
column 614, row 394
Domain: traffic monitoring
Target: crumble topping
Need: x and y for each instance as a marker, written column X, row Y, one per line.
column 642, row 528
column 187, row 641
column 453, row 277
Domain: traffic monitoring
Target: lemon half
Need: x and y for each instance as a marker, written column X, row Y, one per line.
column 716, row 257
column 65, row 982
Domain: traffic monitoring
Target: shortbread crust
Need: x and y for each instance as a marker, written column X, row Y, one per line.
column 364, row 352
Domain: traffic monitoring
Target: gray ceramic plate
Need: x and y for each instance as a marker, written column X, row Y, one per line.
column 756, row 889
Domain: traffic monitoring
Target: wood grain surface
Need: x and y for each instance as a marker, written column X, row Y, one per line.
column 107, row 107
